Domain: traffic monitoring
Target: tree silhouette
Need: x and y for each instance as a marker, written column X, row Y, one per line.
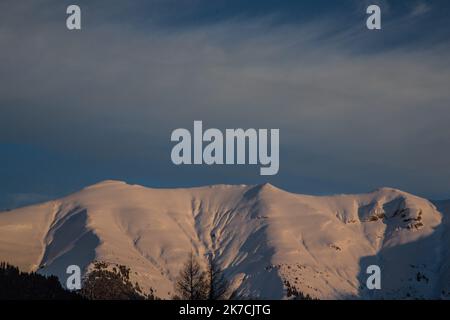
column 107, row 282
column 218, row 286
column 18, row 285
column 191, row 283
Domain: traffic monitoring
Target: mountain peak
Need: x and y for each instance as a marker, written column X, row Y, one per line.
column 106, row 183
column 389, row 190
column 268, row 186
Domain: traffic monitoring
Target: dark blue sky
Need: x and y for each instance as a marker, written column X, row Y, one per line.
column 356, row 109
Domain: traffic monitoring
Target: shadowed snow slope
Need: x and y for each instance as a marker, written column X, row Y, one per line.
column 263, row 238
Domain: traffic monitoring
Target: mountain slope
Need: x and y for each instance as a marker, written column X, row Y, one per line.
column 262, row 237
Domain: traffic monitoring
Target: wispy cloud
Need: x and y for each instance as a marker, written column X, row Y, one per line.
column 113, row 92
column 419, row 9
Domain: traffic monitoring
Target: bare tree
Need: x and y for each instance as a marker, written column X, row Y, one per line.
column 191, row 283
column 218, row 286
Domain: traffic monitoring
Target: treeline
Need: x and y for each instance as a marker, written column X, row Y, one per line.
column 101, row 283
column 194, row 283
column 17, row 285
column 112, row 282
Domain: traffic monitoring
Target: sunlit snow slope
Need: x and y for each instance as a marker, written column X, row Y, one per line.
column 262, row 237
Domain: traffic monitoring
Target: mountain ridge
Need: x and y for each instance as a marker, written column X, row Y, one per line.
column 262, row 236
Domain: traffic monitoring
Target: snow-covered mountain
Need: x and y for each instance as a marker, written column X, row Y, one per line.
column 262, row 237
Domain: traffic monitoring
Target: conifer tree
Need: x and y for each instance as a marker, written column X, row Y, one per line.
column 191, row 283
